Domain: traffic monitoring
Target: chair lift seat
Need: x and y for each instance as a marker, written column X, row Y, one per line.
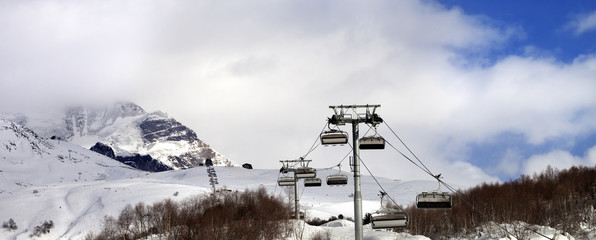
column 434, row 200
column 312, row 182
column 337, row 179
column 334, row 137
column 389, row 220
column 286, row 181
column 372, row 142
column 305, row 172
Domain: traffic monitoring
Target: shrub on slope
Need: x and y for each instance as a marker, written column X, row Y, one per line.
column 252, row 214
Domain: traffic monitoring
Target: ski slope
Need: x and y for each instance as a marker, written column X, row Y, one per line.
column 50, row 180
column 75, row 188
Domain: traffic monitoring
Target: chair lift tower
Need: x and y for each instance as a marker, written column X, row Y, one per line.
column 302, row 171
column 349, row 114
column 212, row 175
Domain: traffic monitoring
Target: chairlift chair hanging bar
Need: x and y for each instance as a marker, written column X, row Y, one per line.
column 312, row 182
column 434, row 200
column 372, row 142
column 390, row 220
column 305, row 172
column 286, row 181
column 337, row 180
column 388, row 217
column 334, row 137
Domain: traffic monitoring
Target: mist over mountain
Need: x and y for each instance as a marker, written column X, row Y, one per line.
column 149, row 141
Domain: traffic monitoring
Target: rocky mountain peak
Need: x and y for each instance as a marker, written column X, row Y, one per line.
column 159, row 128
column 128, row 130
column 82, row 120
column 19, row 140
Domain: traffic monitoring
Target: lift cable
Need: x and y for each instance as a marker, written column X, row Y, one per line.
column 275, row 188
column 409, row 159
column 452, row 189
column 300, row 198
column 316, row 143
column 378, row 183
column 383, row 189
column 425, row 169
column 342, row 160
column 409, row 150
column 339, row 164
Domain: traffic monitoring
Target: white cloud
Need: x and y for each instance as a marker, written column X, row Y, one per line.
column 67, row 51
column 255, row 79
column 583, row 23
column 559, row 159
column 510, row 163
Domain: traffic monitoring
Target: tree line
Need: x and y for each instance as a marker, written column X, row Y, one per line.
column 561, row 199
column 252, row 214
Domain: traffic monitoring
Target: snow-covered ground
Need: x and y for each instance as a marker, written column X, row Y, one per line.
column 75, row 188
column 49, row 180
column 76, row 192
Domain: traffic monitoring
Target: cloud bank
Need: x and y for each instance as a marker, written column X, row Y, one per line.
column 255, row 79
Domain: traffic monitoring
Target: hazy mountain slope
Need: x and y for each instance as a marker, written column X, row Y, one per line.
column 128, row 130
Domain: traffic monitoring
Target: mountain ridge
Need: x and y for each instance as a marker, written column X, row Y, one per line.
column 129, row 130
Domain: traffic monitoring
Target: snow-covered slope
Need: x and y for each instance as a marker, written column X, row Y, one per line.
column 127, row 129
column 50, row 180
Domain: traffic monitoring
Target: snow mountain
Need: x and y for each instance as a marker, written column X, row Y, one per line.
column 72, row 188
column 43, row 180
column 149, row 141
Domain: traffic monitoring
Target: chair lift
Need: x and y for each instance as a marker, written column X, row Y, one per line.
column 434, row 199
column 388, row 217
column 305, row 172
column 286, row 181
column 337, row 179
column 372, row 142
column 312, row 182
column 333, row 137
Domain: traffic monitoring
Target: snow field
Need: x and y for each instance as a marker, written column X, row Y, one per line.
column 75, row 188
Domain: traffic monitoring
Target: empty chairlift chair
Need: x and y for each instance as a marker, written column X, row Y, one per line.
column 334, row 137
column 389, row 219
column 286, row 181
column 312, row 182
column 337, row 180
column 305, row 172
column 372, row 142
column 434, row 200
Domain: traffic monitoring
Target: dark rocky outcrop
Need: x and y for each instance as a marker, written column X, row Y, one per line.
column 247, row 166
column 103, row 150
column 165, row 129
column 142, row 162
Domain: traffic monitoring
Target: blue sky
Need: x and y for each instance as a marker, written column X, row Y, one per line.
column 546, row 25
column 546, row 29
column 479, row 90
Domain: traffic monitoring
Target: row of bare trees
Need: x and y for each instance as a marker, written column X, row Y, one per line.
column 252, row 214
column 564, row 200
